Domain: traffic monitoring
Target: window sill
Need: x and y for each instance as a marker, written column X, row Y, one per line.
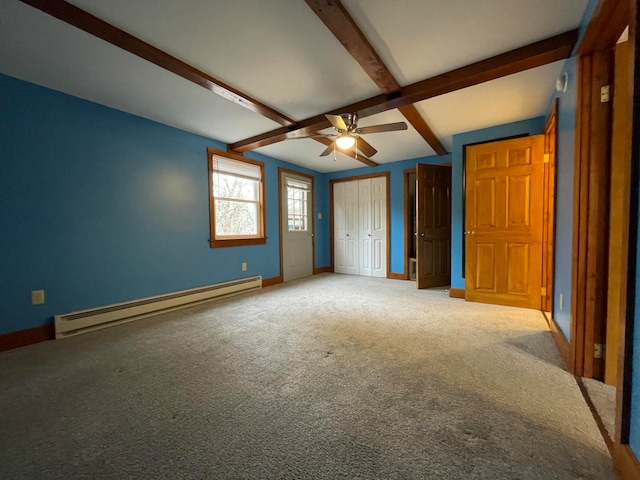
column 237, row 242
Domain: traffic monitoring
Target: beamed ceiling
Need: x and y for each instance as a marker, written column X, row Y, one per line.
column 256, row 74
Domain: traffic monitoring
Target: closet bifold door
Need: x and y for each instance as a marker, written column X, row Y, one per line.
column 360, row 227
column 379, row 227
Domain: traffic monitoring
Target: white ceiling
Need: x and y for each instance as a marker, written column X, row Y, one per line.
column 280, row 53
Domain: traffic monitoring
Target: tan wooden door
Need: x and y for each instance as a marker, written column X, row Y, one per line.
column 433, row 226
column 619, row 211
column 503, row 227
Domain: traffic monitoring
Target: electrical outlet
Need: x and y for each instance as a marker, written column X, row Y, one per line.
column 319, row 216
column 37, row 297
column 244, row 266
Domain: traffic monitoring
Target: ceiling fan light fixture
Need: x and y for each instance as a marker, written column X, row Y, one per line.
column 345, row 142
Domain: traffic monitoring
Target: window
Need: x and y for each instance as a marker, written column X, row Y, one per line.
column 236, row 201
column 297, row 198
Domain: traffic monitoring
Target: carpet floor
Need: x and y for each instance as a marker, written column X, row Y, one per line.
column 328, row 377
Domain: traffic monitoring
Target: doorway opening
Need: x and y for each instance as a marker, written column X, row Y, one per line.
column 427, row 220
column 297, row 252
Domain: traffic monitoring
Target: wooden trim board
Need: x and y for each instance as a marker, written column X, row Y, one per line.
column 397, row 276
column 269, row 282
column 563, row 345
column 457, row 293
column 626, row 462
column 22, row 338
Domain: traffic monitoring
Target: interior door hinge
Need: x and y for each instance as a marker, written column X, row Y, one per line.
column 599, row 350
column 543, row 292
column 546, row 158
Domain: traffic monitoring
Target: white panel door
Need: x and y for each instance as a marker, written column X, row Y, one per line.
column 339, row 228
column 364, row 227
column 379, row 227
column 297, row 226
column 351, row 228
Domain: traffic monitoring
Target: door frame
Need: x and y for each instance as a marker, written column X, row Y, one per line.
column 407, row 220
column 407, row 226
column 591, row 171
column 282, row 170
column 407, row 217
column 548, row 210
column 332, row 211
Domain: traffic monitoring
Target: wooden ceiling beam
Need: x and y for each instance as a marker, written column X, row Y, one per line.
column 93, row 25
column 534, row 55
column 344, row 28
column 414, row 117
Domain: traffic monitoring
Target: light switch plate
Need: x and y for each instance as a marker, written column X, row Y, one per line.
column 37, row 297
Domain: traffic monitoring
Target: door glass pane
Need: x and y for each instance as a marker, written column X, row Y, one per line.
column 297, row 199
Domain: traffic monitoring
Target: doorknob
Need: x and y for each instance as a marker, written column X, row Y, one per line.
column 369, row 234
column 422, row 234
column 415, row 234
column 311, row 234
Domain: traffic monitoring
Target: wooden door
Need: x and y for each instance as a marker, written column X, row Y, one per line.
column 619, row 211
column 548, row 208
column 503, row 231
column 297, row 227
column 433, row 226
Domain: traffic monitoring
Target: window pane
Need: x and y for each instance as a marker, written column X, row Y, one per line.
column 297, row 208
column 229, row 186
column 236, row 218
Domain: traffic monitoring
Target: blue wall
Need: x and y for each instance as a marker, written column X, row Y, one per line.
column 396, row 200
column 564, row 197
column 533, row 126
column 98, row 206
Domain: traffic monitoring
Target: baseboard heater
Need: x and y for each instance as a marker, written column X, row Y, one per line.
column 84, row 321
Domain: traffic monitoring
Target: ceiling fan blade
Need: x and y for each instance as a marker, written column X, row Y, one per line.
column 327, row 151
column 365, row 147
column 337, row 121
column 387, row 127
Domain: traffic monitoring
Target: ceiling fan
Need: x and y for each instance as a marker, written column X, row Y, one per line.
column 348, row 134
